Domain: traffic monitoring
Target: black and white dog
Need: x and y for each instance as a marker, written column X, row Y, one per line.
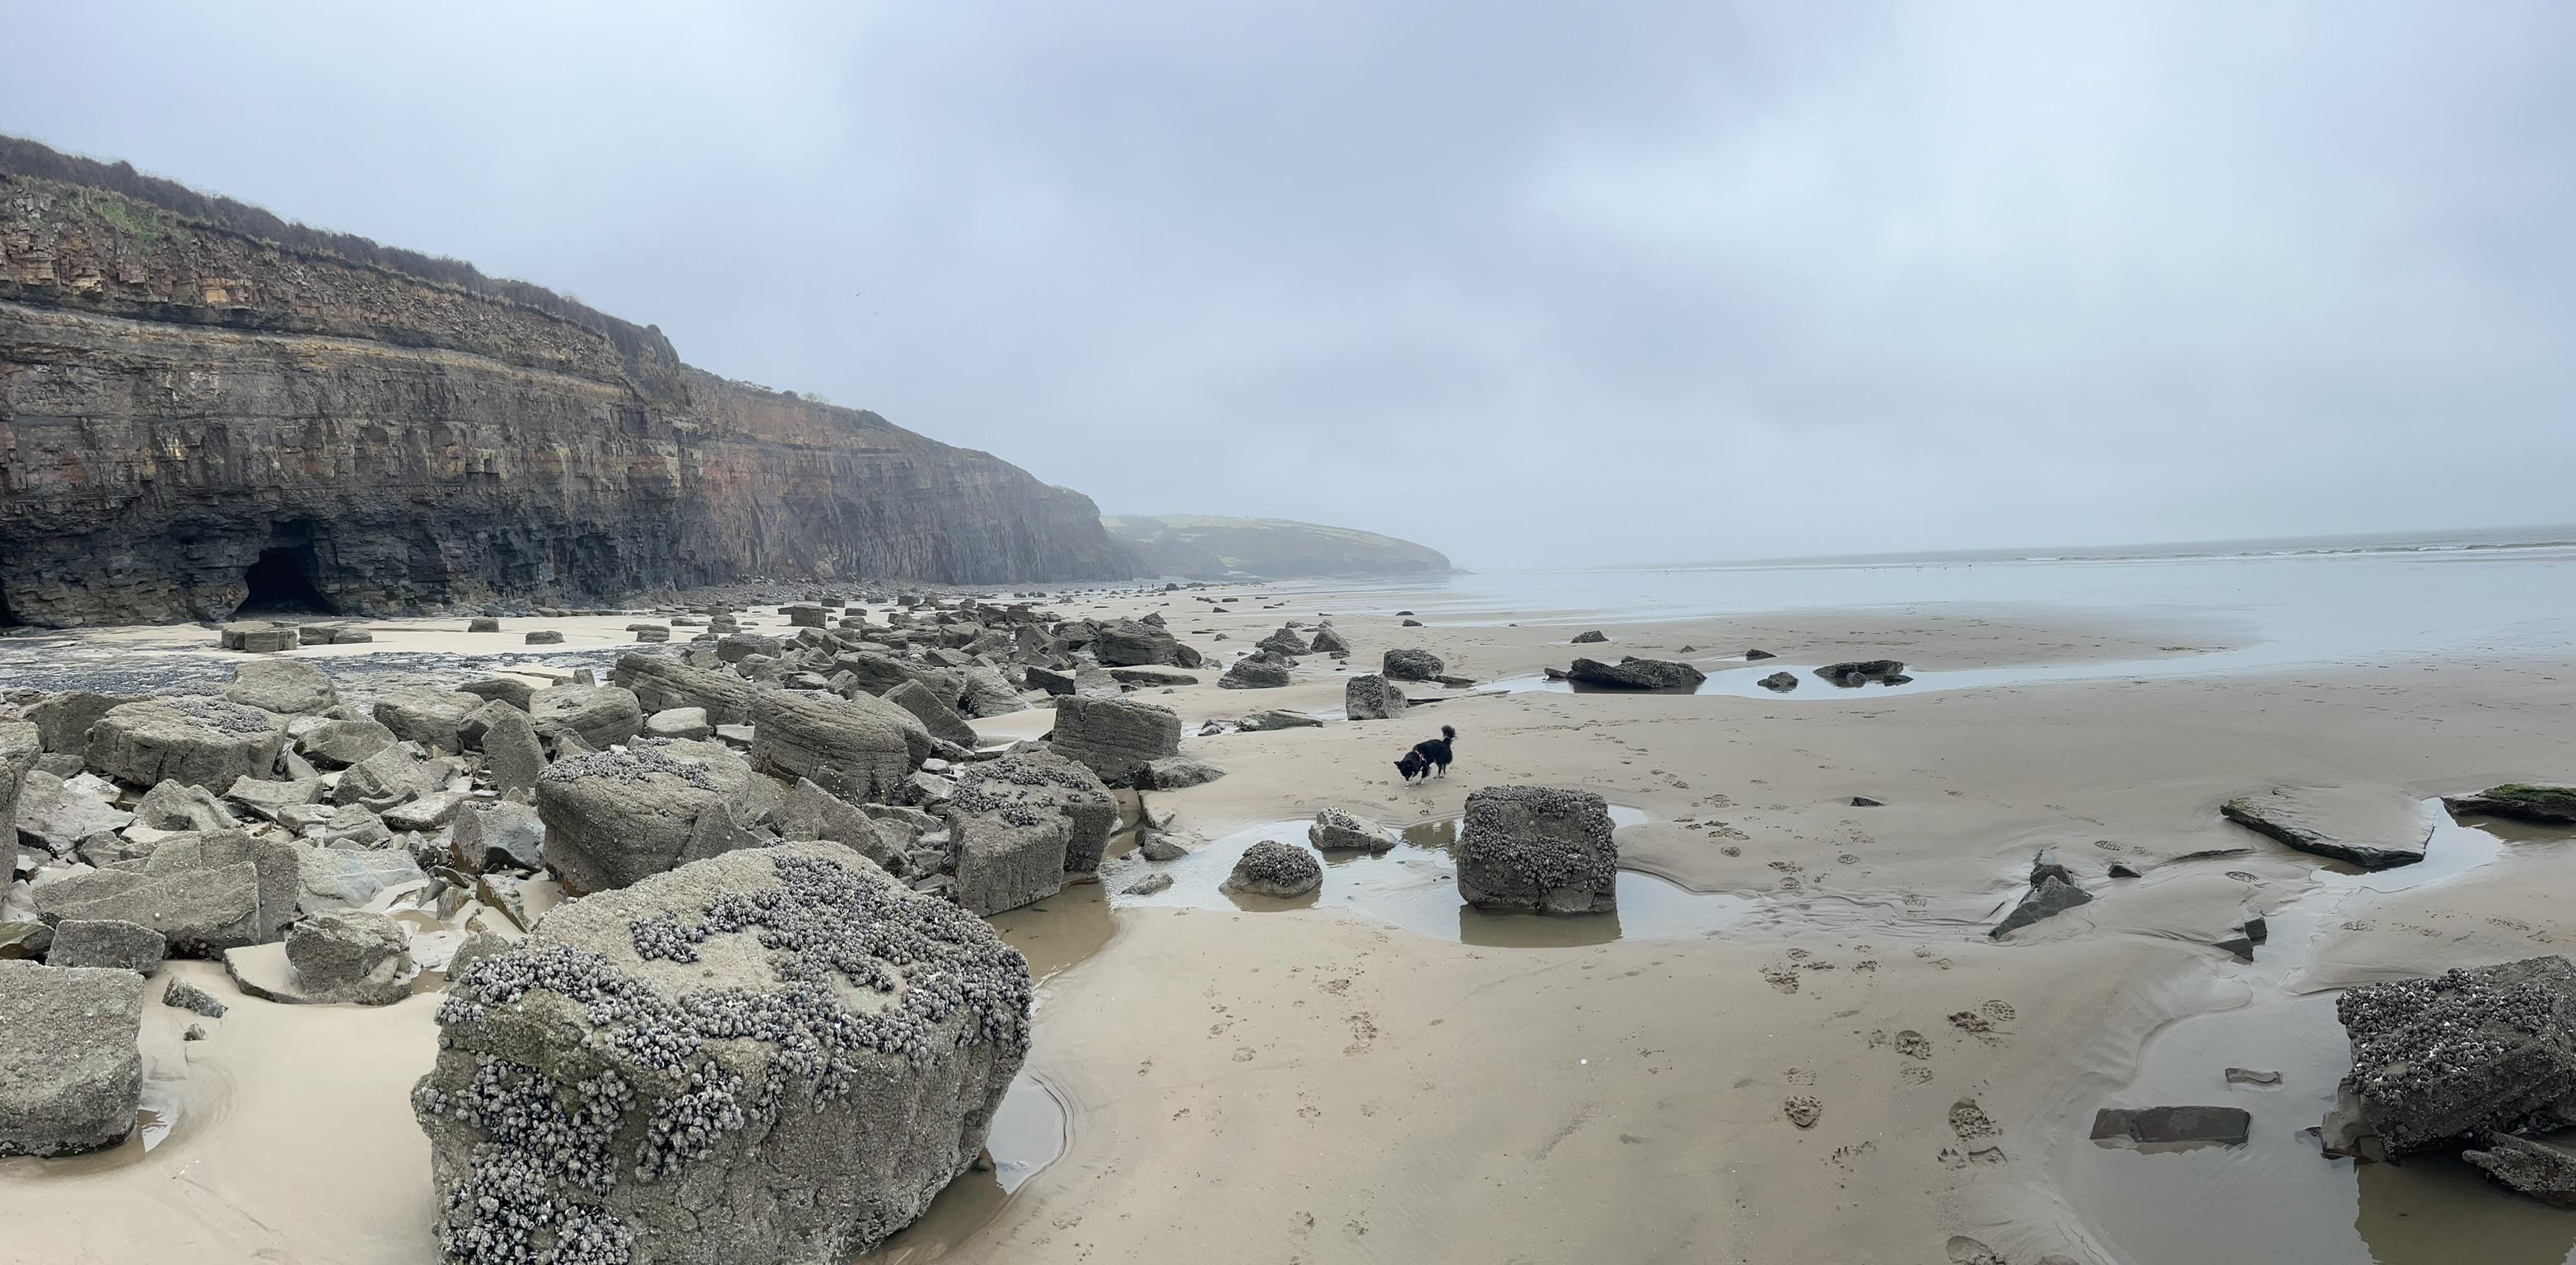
column 1428, row 755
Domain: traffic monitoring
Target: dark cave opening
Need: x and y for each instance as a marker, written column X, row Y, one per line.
column 281, row 583
column 8, row 617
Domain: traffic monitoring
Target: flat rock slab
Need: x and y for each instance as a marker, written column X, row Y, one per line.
column 262, row 971
column 2155, row 1126
column 2373, row 827
column 2553, row 805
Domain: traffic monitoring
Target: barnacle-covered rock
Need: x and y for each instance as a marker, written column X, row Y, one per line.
column 2458, row 1056
column 1538, row 848
column 188, row 738
column 1040, row 783
column 773, row 1055
column 613, row 817
column 1272, row 868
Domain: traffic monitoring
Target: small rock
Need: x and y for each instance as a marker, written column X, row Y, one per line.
column 1271, row 868
column 186, row 996
column 2165, row 1125
column 2250, row 1076
column 1149, row 884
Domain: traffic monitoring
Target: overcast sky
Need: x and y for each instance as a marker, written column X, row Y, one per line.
column 1536, row 284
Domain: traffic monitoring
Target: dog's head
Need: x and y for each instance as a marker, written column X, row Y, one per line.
column 1412, row 764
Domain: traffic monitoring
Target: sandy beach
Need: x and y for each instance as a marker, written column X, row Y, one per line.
column 1334, row 1083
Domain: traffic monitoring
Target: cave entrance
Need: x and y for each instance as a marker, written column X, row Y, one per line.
column 8, row 617
column 281, row 583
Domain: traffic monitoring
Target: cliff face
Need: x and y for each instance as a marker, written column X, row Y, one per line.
column 192, row 417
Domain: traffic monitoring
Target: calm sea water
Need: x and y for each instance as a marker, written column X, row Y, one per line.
column 2313, row 600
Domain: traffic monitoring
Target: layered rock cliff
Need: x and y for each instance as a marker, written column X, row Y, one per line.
column 201, row 406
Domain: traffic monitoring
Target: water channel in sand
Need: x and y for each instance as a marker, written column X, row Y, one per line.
column 2277, row 1199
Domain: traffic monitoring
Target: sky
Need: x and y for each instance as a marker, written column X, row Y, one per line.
column 1537, row 284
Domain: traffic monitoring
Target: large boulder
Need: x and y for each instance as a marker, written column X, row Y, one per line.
column 126, row 946
column 1285, row 641
column 1047, row 784
column 772, row 1055
column 1328, row 641
column 182, row 806
column 1538, row 848
column 1853, row 675
column 1115, row 736
column 2369, row 826
column 988, row 693
column 71, row 1057
column 2458, row 1056
column 514, row 756
column 1133, row 643
column 20, row 744
column 351, row 956
column 616, row 817
column 859, row 748
column 53, row 816
column 1259, row 672
column 1412, row 665
column 337, row 744
column 933, row 712
column 63, row 721
column 807, row 811
column 600, row 716
column 679, row 722
column 283, row 686
column 1009, row 857
column 1633, row 673
column 189, row 738
column 426, row 715
column 1372, row 697
column 389, row 777
column 1272, row 868
column 204, row 892
column 499, row 835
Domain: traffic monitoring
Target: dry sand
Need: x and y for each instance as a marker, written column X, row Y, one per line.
column 1315, row 1086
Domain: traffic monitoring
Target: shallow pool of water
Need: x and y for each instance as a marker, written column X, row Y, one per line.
column 2277, row 1199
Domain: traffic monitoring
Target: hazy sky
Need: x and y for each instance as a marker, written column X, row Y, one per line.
column 1533, row 283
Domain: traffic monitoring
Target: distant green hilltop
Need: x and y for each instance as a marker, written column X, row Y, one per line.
column 1214, row 547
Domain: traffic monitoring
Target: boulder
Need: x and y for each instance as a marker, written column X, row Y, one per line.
column 1538, row 848
column 1115, row 737
column 1050, row 680
column 679, row 722
column 54, row 817
column 868, row 1034
column 1338, row 831
column 1008, row 858
column 1255, row 673
column 1328, row 641
column 427, row 814
column 613, row 818
column 501, row 689
column 1277, row 718
column 807, row 811
column 2458, row 1056
column 1778, row 682
column 2553, row 805
column 859, row 748
column 543, row 637
column 63, row 721
column 933, row 712
column 20, row 745
column 427, row 716
column 989, row 693
column 483, row 624
column 346, row 878
column 203, row 893
column 1412, row 665
column 499, row 835
column 1372, row 697
column 1590, row 638
column 1042, row 783
column 2544, row 1172
column 514, row 756
column 1133, row 643
column 188, row 738
column 1150, row 676
column 601, row 716
column 71, row 1057
column 1285, row 642
column 1635, row 674
column 182, row 995
column 106, row 942
column 2369, row 826
column 337, row 744
column 351, row 956
column 282, row 686
column 1271, row 868
column 269, row 800
column 1173, row 773
column 1856, row 674
column 2047, row 898
column 382, row 780
column 182, row 806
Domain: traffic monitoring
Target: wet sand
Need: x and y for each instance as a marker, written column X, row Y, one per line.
column 1343, row 1082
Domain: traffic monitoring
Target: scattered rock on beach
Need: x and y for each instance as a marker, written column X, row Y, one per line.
column 1778, row 682
column 1133, row 643
column 1259, row 672
column 105, row 943
column 1148, row 885
column 1336, row 830
column 2553, row 805
column 282, row 686
column 1633, row 673
column 2047, row 898
column 1271, row 868
column 616, row 817
column 1114, row 737
column 1173, row 773
column 2538, row 1169
column 1372, row 697
column 1589, row 638
column 2151, row 1126
column 1853, row 675
column 1278, row 718
column 2373, row 827
column 868, row 1035
column 1412, row 665
column 860, row 748
column 72, row 1049
column 1538, row 848
column 188, row 738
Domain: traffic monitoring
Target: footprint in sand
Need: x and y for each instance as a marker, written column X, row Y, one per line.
column 1800, row 1076
column 1970, row 1121
column 1915, row 1075
column 1803, row 1110
column 1913, row 1045
column 2000, row 1011
column 1781, row 976
column 1968, row 1251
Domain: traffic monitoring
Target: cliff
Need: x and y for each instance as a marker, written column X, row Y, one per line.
column 1209, row 547
column 202, row 406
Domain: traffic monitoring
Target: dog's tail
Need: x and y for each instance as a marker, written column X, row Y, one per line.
column 1448, row 734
